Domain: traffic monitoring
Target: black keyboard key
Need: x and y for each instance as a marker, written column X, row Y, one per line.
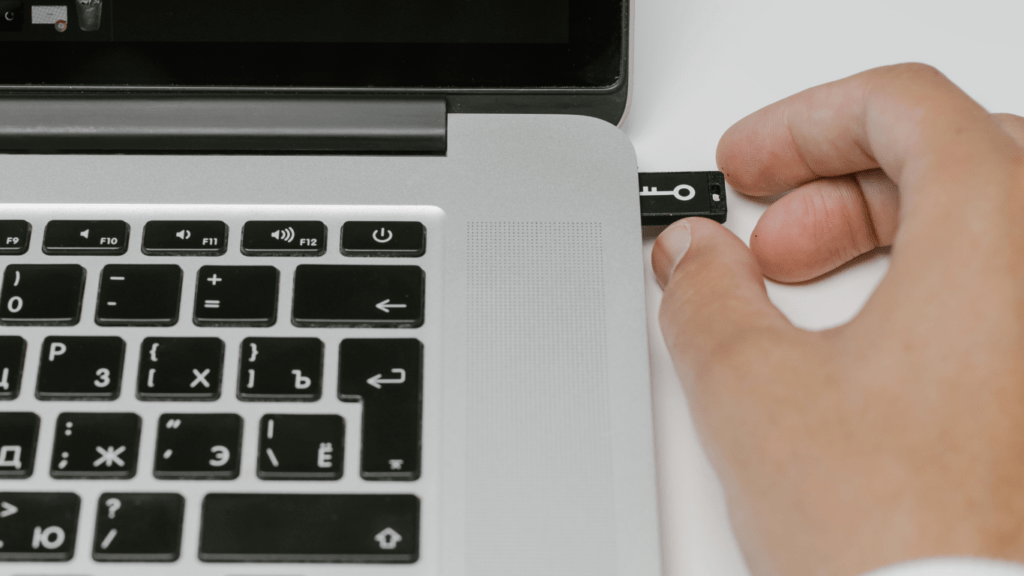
column 281, row 369
column 12, row 363
column 80, row 367
column 309, row 528
column 38, row 527
column 387, row 376
column 280, row 238
column 14, row 236
column 194, row 446
column 18, row 433
column 301, row 447
column 92, row 445
column 86, row 237
column 236, row 296
column 180, row 368
column 48, row 294
column 407, row 239
column 138, row 528
column 385, row 296
column 185, row 238
column 139, row 295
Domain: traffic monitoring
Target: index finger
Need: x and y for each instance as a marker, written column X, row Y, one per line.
column 899, row 118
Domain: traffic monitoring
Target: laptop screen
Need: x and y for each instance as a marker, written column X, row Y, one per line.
column 312, row 44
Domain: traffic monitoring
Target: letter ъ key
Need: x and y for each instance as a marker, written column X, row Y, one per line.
column 80, row 368
column 138, row 528
column 198, row 446
column 281, row 369
column 12, row 361
column 36, row 527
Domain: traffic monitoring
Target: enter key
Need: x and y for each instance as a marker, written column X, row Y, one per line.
column 386, row 376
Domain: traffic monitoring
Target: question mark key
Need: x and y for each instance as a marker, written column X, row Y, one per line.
column 138, row 527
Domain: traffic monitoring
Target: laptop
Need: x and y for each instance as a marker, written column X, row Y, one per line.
column 305, row 288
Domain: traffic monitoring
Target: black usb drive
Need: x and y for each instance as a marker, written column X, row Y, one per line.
column 668, row 196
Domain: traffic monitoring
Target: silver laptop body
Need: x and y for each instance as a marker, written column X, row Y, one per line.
column 536, row 442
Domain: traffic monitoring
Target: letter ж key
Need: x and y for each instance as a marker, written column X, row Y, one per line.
column 358, row 296
column 80, row 368
column 38, row 526
column 43, row 294
column 93, row 445
column 281, row 369
column 18, row 434
column 386, row 375
column 12, row 363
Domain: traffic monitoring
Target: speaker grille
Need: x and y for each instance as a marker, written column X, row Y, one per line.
column 540, row 496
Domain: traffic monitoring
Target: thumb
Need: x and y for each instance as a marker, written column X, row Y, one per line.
column 715, row 303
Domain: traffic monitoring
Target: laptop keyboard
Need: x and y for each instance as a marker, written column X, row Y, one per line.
column 184, row 386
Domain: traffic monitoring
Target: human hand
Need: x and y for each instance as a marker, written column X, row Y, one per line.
column 901, row 434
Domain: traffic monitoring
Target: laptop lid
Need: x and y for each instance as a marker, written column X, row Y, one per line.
column 492, row 56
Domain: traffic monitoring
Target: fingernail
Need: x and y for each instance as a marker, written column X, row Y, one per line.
column 674, row 242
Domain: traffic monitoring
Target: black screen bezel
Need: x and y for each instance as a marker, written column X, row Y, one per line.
column 593, row 60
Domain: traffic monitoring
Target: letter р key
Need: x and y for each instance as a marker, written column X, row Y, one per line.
column 138, row 528
column 80, row 367
column 46, row 294
column 281, row 369
column 12, row 361
column 38, row 527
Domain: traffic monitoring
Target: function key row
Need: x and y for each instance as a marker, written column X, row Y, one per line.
column 133, row 527
column 150, row 295
column 210, row 238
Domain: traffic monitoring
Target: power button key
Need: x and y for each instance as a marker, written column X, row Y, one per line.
column 394, row 239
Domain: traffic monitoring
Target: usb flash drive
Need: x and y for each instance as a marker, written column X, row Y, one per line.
column 668, row 196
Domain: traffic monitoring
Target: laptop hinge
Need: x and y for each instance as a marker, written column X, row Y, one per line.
column 246, row 125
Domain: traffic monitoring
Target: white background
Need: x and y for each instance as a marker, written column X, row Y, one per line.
column 701, row 65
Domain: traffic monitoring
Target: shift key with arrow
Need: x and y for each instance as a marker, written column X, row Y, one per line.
column 358, row 296
column 386, row 375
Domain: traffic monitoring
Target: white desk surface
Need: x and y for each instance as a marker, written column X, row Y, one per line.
column 699, row 66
